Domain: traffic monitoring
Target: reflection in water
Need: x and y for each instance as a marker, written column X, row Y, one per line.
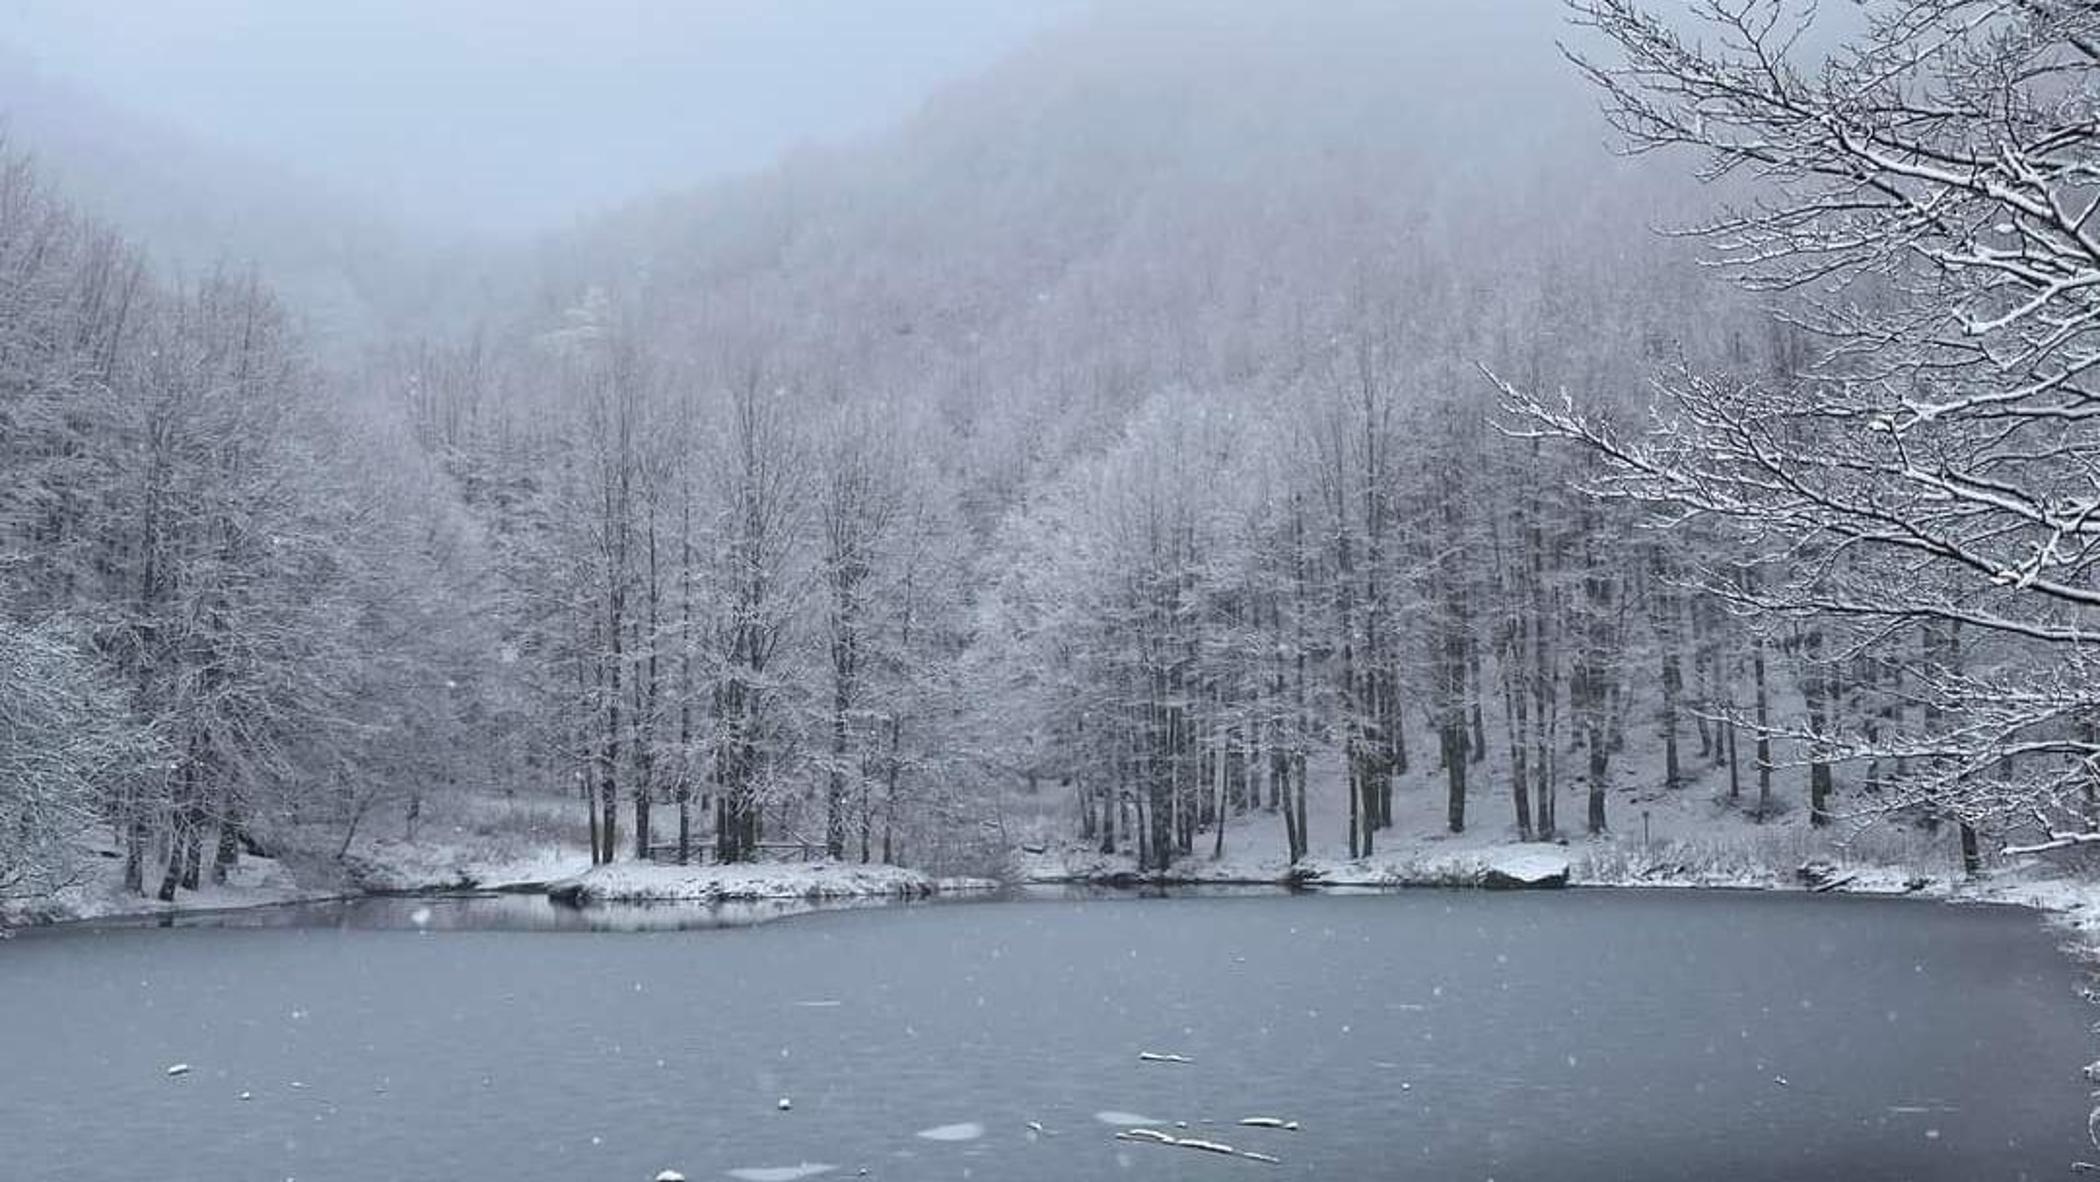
column 1088, row 891
column 500, row 912
column 513, row 911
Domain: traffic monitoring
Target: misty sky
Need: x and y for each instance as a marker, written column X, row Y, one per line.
column 506, row 115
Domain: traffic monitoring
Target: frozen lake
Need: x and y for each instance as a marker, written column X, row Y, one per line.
column 1562, row 1037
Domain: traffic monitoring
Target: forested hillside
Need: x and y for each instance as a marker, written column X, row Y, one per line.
column 1133, row 390
column 1163, row 426
column 235, row 602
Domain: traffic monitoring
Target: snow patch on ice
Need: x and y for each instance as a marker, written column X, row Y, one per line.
column 968, row 1130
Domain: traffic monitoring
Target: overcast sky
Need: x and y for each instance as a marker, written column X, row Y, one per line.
column 506, row 115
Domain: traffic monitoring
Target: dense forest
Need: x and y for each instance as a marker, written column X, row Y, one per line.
column 1207, row 410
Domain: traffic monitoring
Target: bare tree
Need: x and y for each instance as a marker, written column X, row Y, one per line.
column 1921, row 206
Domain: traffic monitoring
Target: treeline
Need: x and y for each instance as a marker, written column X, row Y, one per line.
column 1361, row 563
column 735, row 588
column 225, row 608
column 1210, row 492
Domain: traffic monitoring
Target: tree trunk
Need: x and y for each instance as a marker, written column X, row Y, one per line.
column 1815, row 688
column 1764, row 728
column 1454, row 740
column 1600, row 755
column 229, row 850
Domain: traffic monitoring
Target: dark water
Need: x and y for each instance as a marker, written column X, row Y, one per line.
column 1566, row 1037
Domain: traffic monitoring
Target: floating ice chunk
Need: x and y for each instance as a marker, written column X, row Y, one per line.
column 247, row 1095
column 1269, row 1122
column 179, row 1069
column 968, row 1130
column 669, row 1176
column 1115, row 1117
column 808, row 1169
column 785, row 1104
column 1153, row 1135
column 1205, row 1146
column 820, row 1005
column 1198, row 1144
column 1161, row 1057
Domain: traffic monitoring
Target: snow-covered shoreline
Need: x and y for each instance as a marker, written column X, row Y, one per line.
column 2067, row 903
column 254, row 882
column 562, row 874
column 1512, row 865
column 643, row 882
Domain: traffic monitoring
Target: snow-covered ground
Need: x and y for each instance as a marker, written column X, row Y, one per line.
column 482, row 844
column 638, row 882
column 100, row 893
column 1691, row 836
column 455, row 863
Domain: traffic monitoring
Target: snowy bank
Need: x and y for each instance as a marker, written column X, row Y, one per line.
column 1513, row 866
column 641, row 882
column 1505, row 866
column 1775, row 858
column 100, row 894
column 401, row 867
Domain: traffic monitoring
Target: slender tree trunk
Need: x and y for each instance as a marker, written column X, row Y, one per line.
column 835, row 781
column 646, row 697
column 1217, row 846
column 1672, row 690
column 1815, row 692
column 1112, row 803
column 1763, row 707
column 1600, row 755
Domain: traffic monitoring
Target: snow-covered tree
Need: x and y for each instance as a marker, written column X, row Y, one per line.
column 1918, row 204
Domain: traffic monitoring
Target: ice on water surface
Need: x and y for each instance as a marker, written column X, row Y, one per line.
column 807, row 1169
